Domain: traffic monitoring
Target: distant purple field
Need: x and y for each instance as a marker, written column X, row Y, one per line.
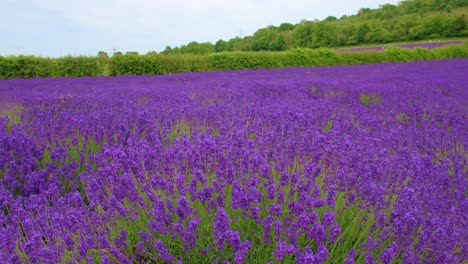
column 339, row 164
column 426, row 45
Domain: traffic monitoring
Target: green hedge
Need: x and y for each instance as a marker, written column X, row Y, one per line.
column 133, row 64
column 177, row 63
column 25, row 67
column 76, row 67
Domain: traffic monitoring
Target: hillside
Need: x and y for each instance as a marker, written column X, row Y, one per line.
column 409, row 20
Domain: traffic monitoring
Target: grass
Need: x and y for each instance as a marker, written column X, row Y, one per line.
column 179, row 129
column 368, row 99
column 13, row 113
column 402, row 117
column 328, row 127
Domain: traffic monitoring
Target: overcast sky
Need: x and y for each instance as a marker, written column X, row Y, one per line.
column 84, row 27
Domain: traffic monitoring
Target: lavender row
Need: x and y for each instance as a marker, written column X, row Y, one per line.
column 308, row 165
column 426, row 45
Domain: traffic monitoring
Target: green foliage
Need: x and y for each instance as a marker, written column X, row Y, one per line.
column 247, row 60
column 76, row 67
column 34, row 67
column 328, row 127
column 177, row 63
column 399, row 54
column 25, row 67
column 451, row 52
column 364, row 57
column 365, row 100
column 220, row 45
column 402, row 117
column 268, row 39
column 313, row 57
column 368, row 99
column 424, row 54
column 286, row 27
column 193, row 48
column 180, row 129
column 133, row 64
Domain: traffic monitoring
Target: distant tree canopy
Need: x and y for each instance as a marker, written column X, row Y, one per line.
column 408, row 20
column 193, row 47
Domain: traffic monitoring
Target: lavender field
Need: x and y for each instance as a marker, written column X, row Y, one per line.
column 425, row 45
column 344, row 164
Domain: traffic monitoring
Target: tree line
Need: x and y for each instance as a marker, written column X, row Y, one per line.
column 409, row 20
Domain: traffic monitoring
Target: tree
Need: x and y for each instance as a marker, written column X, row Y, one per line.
column 237, row 44
column 102, row 54
column 303, row 35
column 330, row 19
column 220, row 45
column 268, row 39
column 285, row 27
column 363, row 12
column 362, row 32
column 167, row 50
column 379, row 35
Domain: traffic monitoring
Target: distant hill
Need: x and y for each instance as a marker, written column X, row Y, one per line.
column 409, row 20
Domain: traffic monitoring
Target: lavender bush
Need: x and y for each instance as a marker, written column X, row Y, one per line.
column 346, row 164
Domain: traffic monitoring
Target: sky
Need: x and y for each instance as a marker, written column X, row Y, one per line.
column 54, row 28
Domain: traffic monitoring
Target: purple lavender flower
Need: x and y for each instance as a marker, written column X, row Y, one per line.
column 308, row 256
column 140, row 249
column 334, row 233
column 369, row 259
column 121, row 241
column 282, row 248
column 276, row 210
column 183, row 208
column 389, row 253
column 145, row 236
column 267, row 222
column 328, row 219
column 235, row 239
column 69, row 243
column 350, row 256
column 271, row 192
column 241, row 253
column 221, row 228
column 163, row 252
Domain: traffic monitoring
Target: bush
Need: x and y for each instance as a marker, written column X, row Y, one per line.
column 313, row 57
column 76, row 67
column 400, row 54
column 133, row 64
column 25, row 67
column 248, row 60
column 424, row 54
column 451, row 52
column 363, row 57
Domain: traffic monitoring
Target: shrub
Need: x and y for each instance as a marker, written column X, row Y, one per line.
column 133, row 64
column 76, row 67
